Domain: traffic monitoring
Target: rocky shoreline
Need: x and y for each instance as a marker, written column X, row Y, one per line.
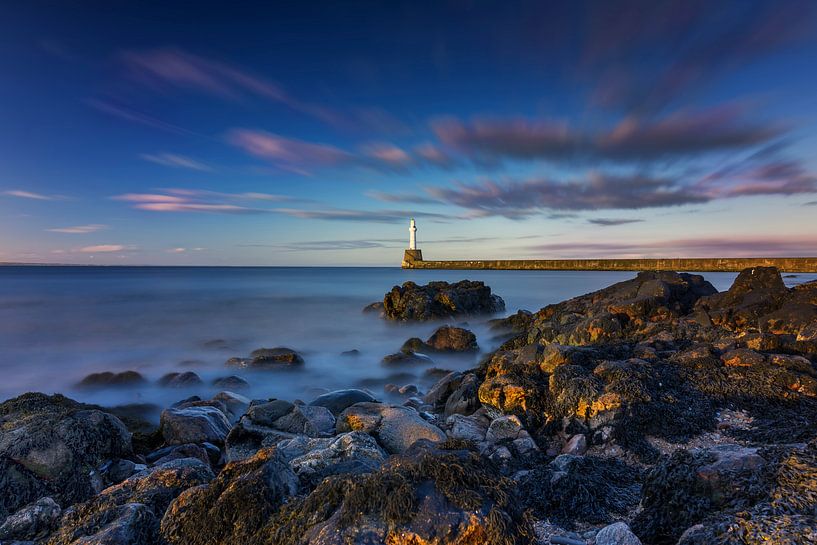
column 654, row 411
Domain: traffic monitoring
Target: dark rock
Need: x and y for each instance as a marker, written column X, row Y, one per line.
column 617, row 534
column 440, row 300
column 442, row 390
column 51, row 446
column 350, row 353
column 268, row 358
column 515, row 323
column 180, row 380
column 233, row 383
column 118, row 470
column 34, row 521
column 235, row 404
column 314, row 459
column 177, row 452
column 309, row 420
column 267, row 412
column 465, row 397
column 128, row 524
column 376, row 307
column 194, row 425
column 445, row 339
column 339, row 400
column 108, row 379
column 407, row 358
column 396, row 428
column 207, row 514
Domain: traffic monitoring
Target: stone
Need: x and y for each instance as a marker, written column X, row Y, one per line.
column 118, row 470
column 443, row 388
column 617, row 534
column 395, row 427
column 309, row 420
column 271, row 357
column 235, row 403
column 468, row 428
column 265, row 413
column 108, row 379
column 129, row 524
column 465, row 398
column 194, row 425
column 231, row 383
column 743, row 357
column 247, row 438
column 353, row 452
column 339, row 400
column 795, row 363
column 411, row 302
column 176, row 452
column 34, row 521
column 407, row 358
column 504, row 428
column 445, row 339
column 576, row 445
column 180, row 380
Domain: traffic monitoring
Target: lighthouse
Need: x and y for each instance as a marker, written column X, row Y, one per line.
column 412, row 255
column 412, row 235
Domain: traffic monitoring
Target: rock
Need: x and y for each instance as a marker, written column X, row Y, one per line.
column 231, row 383
column 445, row 339
column 468, row 428
column 247, row 438
column 407, row 358
column 743, row 357
column 395, row 427
column 108, row 379
column 51, row 446
column 235, row 403
column 504, row 428
column 353, row 353
column 795, row 363
column 376, row 307
column 118, row 470
column 266, row 413
column 252, row 490
column 309, row 420
column 34, row 521
column 268, row 358
column 515, row 323
column 349, row 453
column 440, row 300
column 180, row 380
column 576, row 445
column 617, row 534
column 194, row 425
column 465, row 398
column 177, row 452
column 755, row 292
column 340, row 400
column 108, row 516
column 440, row 392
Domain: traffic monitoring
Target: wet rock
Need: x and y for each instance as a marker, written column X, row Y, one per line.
column 180, row 380
column 348, row 453
column 268, row 358
column 407, row 358
column 445, row 339
column 374, row 308
column 235, row 404
column 617, row 534
column 247, row 438
column 515, row 323
column 177, row 452
column 442, row 389
column 267, row 412
column 112, row 515
column 395, row 427
column 743, row 357
column 795, row 363
column 755, row 292
column 118, row 470
column 465, row 398
column 576, row 445
column 309, row 420
column 108, row 379
column 411, row 302
column 467, row 428
column 339, row 400
column 207, row 514
column 34, row 521
column 231, row 383
column 51, row 446
column 194, row 425
column 353, row 353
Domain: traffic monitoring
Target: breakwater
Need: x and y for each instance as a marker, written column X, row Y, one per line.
column 724, row 264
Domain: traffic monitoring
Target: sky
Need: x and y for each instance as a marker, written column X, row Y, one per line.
column 308, row 133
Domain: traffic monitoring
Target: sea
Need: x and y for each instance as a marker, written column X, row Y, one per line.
column 59, row 324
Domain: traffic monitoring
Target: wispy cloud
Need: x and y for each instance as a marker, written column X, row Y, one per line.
column 79, row 229
column 140, row 118
column 22, row 194
column 372, row 216
column 105, row 249
column 612, row 222
column 199, row 200
column 175, row 161
column 400, row 197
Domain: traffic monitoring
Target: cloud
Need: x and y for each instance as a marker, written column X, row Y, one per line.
column 175, row 161
column 687, row 247
column 139, row 118
column 79, row 229
column 400, row 197
column 595, row 192
column 104, row 248
column 759, row 175
column 176, row 250
column 611, row 222
column 682, row 134
column 375, row 216
column 199, row 200
column 287, row 151
column 30, row 195
column 388, row 155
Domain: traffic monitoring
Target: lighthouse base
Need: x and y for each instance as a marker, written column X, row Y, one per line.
column 410, row 256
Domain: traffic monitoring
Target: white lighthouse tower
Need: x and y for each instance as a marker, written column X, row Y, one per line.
column 412, row 255
column 412, row 235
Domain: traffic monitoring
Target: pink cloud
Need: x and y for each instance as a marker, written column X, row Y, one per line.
column 103, row 248
column 287, row 150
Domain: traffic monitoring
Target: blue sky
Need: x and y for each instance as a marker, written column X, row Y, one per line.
column 308, row 133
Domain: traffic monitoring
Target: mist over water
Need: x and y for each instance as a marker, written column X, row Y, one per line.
column 58, row 324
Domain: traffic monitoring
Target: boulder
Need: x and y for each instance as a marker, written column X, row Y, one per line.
column 445, row 339
column 467, row 428
column 442, row 389
column 180, row 380
column 515, row 323
column 268, row 358
column 194, row 425
column 108, row 379
column 352, row 452
column 617, row 534
column 177, row 452
column 34, row 521
column 411, row 302
column 576, row 445
column 743, row 357
column 129, row 524
column 235, row 404
column 247, row 438
column 231, row 383
column 339, row 400
column 52, row 446
column 395, row 427
column 465, row 398
column 309, row 420
column 234, row 506
column 407, row 358
column 265, row 413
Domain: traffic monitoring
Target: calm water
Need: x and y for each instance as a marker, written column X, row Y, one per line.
column 57, row 324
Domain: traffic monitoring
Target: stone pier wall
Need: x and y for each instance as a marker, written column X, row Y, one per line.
column 728, row 264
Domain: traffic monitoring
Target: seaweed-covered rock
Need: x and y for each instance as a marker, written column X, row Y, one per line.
column 349, row 453
column 339, row 400
column 411, row 302
column 52, row 446
column 114, row 511
column 34, row 521
column 515, row 323
column 396, row 428
column 234, row 506
column 194, row 425
column 444, row 339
